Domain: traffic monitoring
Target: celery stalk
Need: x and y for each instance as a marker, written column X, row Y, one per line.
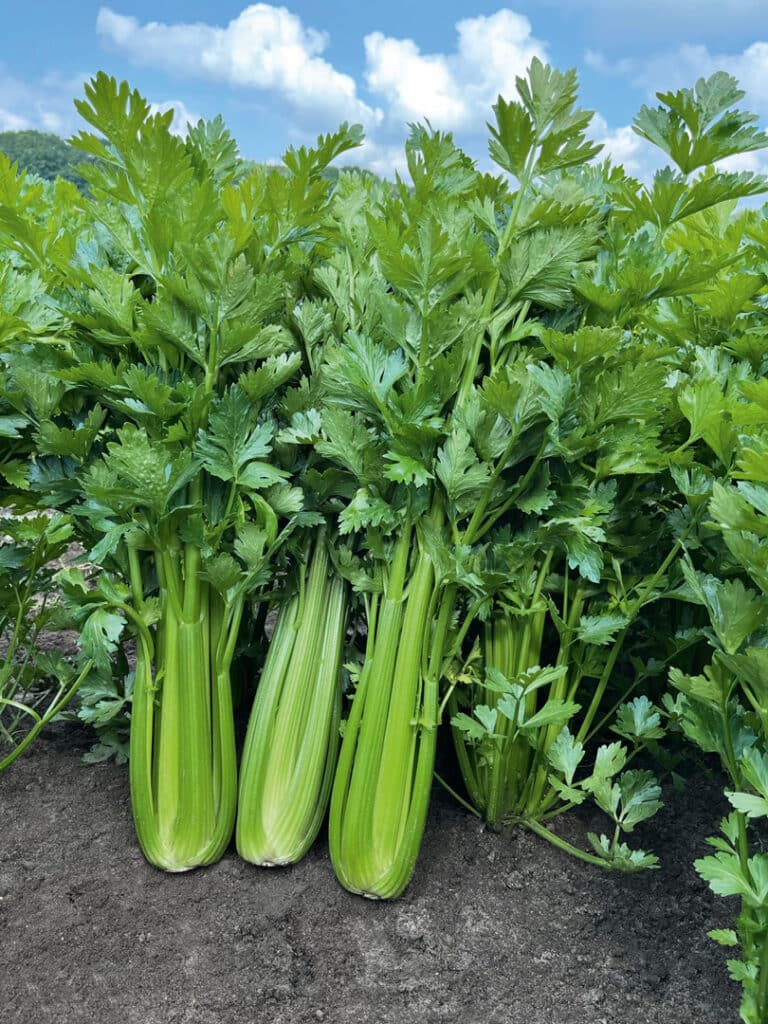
column 293, row 733
column 383, row 780
column 183, row 769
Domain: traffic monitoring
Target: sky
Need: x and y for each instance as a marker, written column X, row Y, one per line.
column 279, row 75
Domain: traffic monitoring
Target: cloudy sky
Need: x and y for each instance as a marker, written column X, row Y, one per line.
column 281, row 74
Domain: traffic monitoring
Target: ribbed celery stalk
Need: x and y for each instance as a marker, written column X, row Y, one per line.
column 293, row 733
column 512, row 645
column 183, row 769
column 507, row 777
column 383, row 780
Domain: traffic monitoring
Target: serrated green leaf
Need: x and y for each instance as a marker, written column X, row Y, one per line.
column 486, row 716
column 566, row 754
column 366, row 510
column 638, row 720
column 723, row 874
column 469, row 726
column 700, row 126
column 555, row 712
column 459, row 469
column 724, row 936
column 250, row 545
column 609, row 761
column 747, row 803
column 640, row 794
column 600, row 629
column 405, row 469
column 100, row 636
column 619, row 856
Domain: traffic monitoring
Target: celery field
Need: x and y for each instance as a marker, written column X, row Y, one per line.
column 384, row 573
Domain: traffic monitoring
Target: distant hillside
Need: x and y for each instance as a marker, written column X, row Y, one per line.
column 332, row 173
column 43, row 153
column 51, row 157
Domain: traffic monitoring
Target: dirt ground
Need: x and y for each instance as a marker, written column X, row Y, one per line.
column 493, row 929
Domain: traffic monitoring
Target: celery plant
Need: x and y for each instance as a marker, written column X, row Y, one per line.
column 721, row 709
column 427, row 458
column 572, row 568
column 35, row 685
column 554, row 639
column 383, row 780
column 179, row 300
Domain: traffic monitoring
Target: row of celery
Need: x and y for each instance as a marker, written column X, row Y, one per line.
column 462, row 394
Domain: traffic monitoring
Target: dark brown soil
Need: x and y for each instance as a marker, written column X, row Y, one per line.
column 493, row 929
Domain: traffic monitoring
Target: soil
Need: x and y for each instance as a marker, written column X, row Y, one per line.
column 494, row 929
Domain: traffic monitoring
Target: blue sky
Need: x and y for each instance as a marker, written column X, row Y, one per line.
column 280, row 74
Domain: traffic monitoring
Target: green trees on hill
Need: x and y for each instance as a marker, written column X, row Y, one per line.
column 43, row 153
column 51, row 157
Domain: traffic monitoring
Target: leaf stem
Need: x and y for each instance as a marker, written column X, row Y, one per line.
column 562, row 844
column 459, row 799
column 59, row 703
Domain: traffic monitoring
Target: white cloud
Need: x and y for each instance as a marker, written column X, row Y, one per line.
column 756, row 161
column 10, row 122
column 182, row 115
column 382, row 158
column 414, row 85
column 453, row 91
column 685, row 65
column 46, row 104
column 624, row 146
column 264, row 47
column 269, row 48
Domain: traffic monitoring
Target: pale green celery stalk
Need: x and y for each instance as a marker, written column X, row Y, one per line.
column 540, row 795
column 293, row 733
column 512, row 781
column 383, row 780
column 751, row 922
column 512, row 644
column 183, row 770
